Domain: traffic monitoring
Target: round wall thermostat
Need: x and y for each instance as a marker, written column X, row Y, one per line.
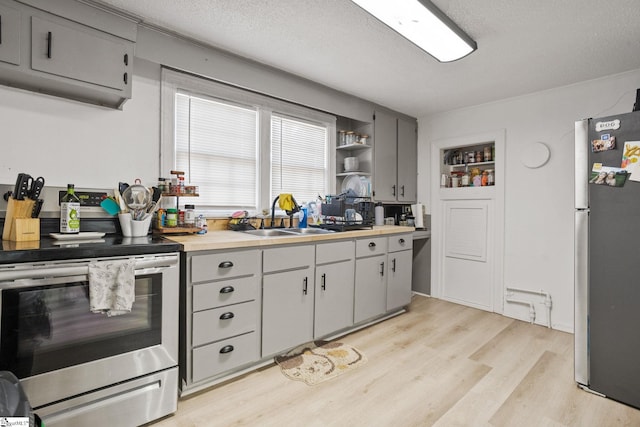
column 535, row 155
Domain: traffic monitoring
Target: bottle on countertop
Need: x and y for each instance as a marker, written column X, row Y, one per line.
column 379, row 214
column 70, row 212
column 303, row 217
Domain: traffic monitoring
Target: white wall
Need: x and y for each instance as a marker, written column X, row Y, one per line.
column 538, row 202
column 71, row 142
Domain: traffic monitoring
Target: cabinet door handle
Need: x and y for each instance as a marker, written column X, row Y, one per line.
column 125, row 78
column 401, row 241
column 304, row 286
column 225, row 264
column 226, row 349
column 49, row 42
column 126, row 59
column 323, row 282
column 402, row 190
column 226, row 316
column 372, row 244
column 382, row 269
column 393, row 190
column 227, row 290
column 393, row 266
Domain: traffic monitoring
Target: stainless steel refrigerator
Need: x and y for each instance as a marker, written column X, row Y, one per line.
column 607, row 258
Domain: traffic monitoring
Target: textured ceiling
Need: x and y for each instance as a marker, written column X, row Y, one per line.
column 524, row 46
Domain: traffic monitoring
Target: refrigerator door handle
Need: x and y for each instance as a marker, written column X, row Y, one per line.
column 581, row 297
column 582, row 164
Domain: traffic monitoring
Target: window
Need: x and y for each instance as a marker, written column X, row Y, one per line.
column 298, row 157
column 240, row 148
column 216, row 145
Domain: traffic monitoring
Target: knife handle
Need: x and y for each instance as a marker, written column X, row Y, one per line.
column 37, row 207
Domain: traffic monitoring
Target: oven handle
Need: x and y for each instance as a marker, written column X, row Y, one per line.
column 143, row 266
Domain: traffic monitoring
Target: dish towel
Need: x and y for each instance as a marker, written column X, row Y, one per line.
column 286, row 202
column 112, row 287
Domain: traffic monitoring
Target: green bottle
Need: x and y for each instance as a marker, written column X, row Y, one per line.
column 70, row 211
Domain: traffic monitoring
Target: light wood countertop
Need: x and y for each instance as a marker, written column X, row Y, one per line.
column 225, row 239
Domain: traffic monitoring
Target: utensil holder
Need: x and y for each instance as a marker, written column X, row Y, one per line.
column 18, row 224
column 133, row 228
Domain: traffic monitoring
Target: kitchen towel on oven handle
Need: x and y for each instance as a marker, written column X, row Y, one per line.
column 112, row 287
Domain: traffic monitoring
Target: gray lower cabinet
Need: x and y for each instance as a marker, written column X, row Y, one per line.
column 287, row 297
column 335, row 268
column 241, row 307
column 370, row 278
column 221, row 320
column 400, row 260
column 9, row 34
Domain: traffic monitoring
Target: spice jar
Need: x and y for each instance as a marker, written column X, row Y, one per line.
column 487, row 154
column 479, row 156
column 490, row 177
column 172, row 218
column 464, row 181
column 485, row 179
column 364, row 138
column 189, row 215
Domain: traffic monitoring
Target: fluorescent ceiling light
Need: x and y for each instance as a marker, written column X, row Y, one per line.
column 422, row 23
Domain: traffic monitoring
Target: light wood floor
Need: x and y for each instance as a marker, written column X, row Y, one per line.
column 440, row 364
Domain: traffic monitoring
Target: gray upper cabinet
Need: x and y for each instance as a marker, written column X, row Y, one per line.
column 407, row 161
column 9, row 34
column 385, row 157
column 395, row 158
column 71, row 50
column 68, row 49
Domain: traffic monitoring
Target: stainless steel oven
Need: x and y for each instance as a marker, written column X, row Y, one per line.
column 79, row 368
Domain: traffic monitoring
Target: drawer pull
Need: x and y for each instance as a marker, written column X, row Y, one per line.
column 226, row 316
column 225, row 264
column 227, row 290
column 372, row 244
column 226, row 349
column 401, row 241
column 49, row 42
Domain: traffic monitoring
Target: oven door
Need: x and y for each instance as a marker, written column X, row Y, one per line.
column 58, row 348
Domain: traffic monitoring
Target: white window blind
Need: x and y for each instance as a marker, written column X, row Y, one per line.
column 298, row 158
column 216, row 145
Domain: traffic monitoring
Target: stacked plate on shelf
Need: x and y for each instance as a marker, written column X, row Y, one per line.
column 360, row 185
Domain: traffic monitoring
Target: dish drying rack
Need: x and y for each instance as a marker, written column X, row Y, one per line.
column 334, row 217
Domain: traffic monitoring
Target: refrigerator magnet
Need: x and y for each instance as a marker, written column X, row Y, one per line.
column 631, row 159
column 606, row 142
column 607, row 175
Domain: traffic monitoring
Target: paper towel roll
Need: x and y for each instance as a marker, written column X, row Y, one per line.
column 417, row 211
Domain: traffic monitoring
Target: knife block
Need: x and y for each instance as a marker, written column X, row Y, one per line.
column 18, row 224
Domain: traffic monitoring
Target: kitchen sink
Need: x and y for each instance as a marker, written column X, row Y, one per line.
column 270, row 232
column 309, row 231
